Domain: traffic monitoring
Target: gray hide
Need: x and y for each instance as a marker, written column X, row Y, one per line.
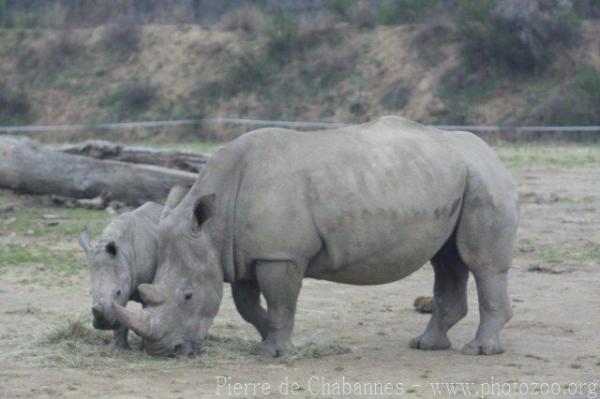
column 366, row 204
column 124, row 257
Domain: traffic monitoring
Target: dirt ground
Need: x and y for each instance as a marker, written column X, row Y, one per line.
column 346, row 336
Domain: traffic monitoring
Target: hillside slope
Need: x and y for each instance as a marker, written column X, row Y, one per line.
column 331, row 72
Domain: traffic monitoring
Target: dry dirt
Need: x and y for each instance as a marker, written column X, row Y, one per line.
column 359, row 334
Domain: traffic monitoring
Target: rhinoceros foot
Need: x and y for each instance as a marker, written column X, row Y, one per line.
column 119, row 340
column 483, row 347
column 430, row 342
column 118, row 344
column 266, row 348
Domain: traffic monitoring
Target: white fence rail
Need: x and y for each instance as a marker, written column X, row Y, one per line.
column 267, row 123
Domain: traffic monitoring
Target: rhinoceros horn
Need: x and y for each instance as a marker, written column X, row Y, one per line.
column 85, row 242
column 138, row 321
column 175, row 196
column 150, row 294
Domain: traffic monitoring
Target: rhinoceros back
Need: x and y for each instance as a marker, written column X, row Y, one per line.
column 381, row 197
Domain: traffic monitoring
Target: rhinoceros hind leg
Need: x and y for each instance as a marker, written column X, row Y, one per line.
column 280, row 284
column 485, row 238
column 246, row 296
column 494, row 310
column 449, row 298
column 119, row 340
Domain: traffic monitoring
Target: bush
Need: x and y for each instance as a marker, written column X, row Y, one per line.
column 357, row 13
column 521, row 36
column 248, row 72
column 392, row 12
column 577, row 102
column 328, row 65
column 56, row 54
column 396, row 97
column 289, row 37
column 587, row 9
column 247, row 19
column 2, row 13
column 14, row 106
column 121, row 36
column 130, row 99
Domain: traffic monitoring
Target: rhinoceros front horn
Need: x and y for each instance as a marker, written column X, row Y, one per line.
column 138, row 321
column 150, row 294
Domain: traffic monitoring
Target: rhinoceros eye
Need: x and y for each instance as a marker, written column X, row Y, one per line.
column 188, row 296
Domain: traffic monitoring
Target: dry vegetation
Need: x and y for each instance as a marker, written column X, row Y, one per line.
column 475, row 62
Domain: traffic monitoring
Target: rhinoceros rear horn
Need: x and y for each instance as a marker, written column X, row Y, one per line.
column 138, row 321
column 176, row 194
column 150, row 294
column 85, row 242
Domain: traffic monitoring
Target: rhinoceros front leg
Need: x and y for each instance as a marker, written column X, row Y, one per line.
column 449, row 298
column 246, row 296
column 280, row 283
column 119, row 340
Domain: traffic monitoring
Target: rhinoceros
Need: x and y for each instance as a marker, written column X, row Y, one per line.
column 366, row 204
column 124, row 257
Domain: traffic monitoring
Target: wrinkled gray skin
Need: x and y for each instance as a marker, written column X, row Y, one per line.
column 124, row 257
column 367, row 204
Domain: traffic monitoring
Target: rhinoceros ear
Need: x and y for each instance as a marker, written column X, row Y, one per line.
column 204, row 209
column 176, row 194
column 86, row 243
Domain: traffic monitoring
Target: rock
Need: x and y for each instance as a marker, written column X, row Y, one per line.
column 423, row 304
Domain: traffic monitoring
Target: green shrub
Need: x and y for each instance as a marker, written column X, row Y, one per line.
column 396, row 97
column 392, row 12
column 357, row 13
column 248, row 19
column 289, row 37
column 14, row 106
column 121, row 36
column 576, row 102
column 521, row 36
column 283, row 36
column 130, row 99
column 588, row 81
column 248, row 72
column 2, row 13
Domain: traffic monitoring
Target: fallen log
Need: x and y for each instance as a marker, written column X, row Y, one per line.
column 29, row 167
column 100, row 149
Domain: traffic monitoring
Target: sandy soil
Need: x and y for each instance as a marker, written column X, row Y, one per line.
column 346, row 333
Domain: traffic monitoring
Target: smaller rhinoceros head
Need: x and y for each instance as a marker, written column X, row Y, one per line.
column 111, row 279
column 187, row 290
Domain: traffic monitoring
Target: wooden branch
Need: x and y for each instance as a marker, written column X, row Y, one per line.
column 100, row 149
column 29, row 167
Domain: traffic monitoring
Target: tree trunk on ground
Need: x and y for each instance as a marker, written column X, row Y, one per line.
column 100, row 149
column 29, row 167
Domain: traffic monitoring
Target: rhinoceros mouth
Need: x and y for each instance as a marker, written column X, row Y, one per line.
column 176, row 349
column 188, row 349
column 103, row 324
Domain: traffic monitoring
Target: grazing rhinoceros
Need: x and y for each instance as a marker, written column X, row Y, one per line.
column 124, row 257
column 366, row 204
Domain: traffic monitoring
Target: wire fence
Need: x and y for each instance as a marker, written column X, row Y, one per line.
column 272, row 123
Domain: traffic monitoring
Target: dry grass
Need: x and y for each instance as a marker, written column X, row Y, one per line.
column 549, row 154
column 74, row 344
